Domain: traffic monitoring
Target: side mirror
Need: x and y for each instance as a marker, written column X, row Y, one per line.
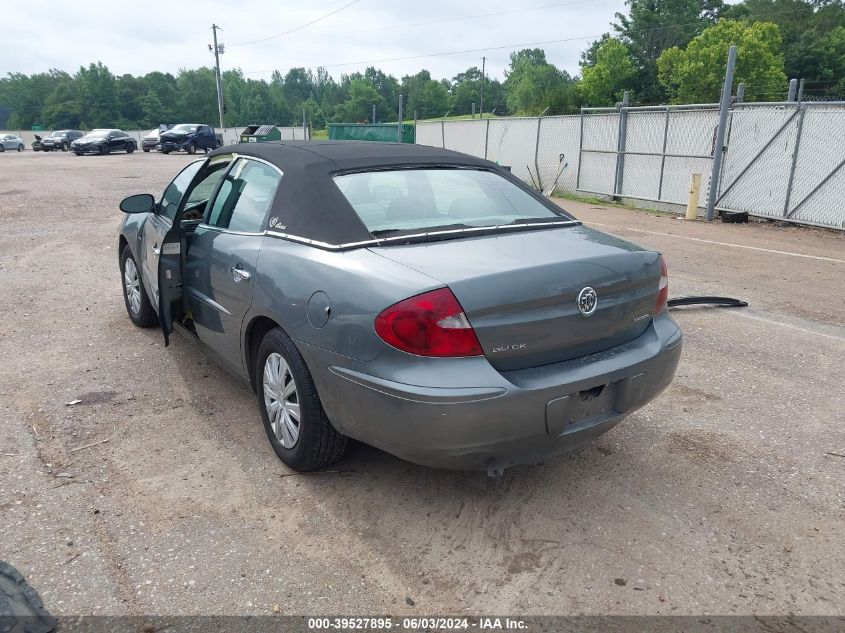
column 139, row 203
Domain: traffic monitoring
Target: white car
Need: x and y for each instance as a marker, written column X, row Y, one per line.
column 10, row 142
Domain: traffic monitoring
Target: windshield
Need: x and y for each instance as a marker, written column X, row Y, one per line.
column 97, row 134
column 422, row 199
column 58, row 134
column 184, row 128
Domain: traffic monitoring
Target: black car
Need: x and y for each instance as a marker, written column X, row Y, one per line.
column 60, row 139
column 104, row 142
column 189, row 137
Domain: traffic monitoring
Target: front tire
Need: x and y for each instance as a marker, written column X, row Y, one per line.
column 146, row 150
column 294, row 419
column 20, row 148
column 191, row 148
column 138, row 306
column 78, row 153
column 65, row 147
column 130, row 148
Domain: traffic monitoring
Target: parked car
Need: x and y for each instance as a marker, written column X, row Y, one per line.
column 10, row 142
column 36, row 144
column 60, row 139
column 422, row 301
column 104, row 142
column 189, row 137
column 151, row 140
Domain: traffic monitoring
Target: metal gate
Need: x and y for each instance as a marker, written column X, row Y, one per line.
column 618, row 146
column 785, row 161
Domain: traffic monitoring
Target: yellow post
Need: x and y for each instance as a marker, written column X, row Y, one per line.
column 694, row 191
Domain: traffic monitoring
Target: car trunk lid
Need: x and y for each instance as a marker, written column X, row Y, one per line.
column 520, row 291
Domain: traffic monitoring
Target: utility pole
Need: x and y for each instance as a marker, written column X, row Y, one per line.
column 218, row 50
column 481, row 100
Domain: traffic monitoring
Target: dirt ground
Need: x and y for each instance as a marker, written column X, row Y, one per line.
column 158, row 493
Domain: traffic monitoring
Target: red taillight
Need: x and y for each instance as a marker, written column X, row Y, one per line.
column 430, row 324
column 662, row 288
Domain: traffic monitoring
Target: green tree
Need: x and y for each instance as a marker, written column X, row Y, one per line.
column 358, row 107
column 100, row 103
column 611, row 73
column 425, row 96
column 62, row 107
column 532, row 85
column 652, row 26
column 808, row 30
column 695, row 75
column 197, row 96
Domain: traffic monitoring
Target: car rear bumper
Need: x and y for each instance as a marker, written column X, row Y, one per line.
column 517, row 417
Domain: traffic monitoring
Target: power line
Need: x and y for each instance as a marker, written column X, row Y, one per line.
column 447, row 20
column 298, row 28
column 496, row 48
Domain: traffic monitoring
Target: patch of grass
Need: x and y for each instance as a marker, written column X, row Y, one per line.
column 575, row 197
column 320, row 135
column 609, row 202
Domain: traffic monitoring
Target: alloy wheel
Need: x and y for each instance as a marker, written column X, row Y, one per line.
column 281, row 400
column 132, row 286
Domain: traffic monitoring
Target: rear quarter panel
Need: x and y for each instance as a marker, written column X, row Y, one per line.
column 358, row 285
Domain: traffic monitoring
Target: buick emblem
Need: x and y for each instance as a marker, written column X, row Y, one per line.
column 587, row 301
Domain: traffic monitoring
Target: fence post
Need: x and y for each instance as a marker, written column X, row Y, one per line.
column 620, row 145
column 399, row 122
column 794, row 159
column 740, row 93
column 800, row 90
column 580, row 150
column 663, row 154
column 793, row 88
column 443, row 133
column 537, row 149
column 486, row 138
column 719, row 150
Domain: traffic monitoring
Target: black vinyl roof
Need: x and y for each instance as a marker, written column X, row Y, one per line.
column 309, row 205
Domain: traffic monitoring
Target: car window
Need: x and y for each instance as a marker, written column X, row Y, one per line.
column 418, row 199
column 176, row 189
column 245, row 197
column 205, row 187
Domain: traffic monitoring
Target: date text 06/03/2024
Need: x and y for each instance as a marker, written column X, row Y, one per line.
column 416, row 623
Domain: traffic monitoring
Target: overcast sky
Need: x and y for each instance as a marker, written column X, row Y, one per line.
column 138, row 37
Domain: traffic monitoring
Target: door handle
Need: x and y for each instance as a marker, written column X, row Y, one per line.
column 156, row 249
column 239, row 273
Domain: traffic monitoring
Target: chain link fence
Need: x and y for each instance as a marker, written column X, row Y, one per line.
column 782, row 160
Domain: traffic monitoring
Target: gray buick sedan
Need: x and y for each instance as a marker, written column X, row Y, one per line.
column 416, row 299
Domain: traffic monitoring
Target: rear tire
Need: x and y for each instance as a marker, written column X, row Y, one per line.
column 146, row 150
column 64, row 147
column 2, row 147
column 286, row 388
column 138, row 306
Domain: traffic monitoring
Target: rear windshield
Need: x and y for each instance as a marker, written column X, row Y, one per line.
column 422, row 199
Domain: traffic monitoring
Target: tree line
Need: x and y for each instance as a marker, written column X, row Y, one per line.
column 658, row 50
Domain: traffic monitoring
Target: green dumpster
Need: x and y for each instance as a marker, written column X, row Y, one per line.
column 260, row 133
column 384, row 132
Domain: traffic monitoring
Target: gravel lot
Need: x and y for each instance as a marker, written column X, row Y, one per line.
column 725, row 495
